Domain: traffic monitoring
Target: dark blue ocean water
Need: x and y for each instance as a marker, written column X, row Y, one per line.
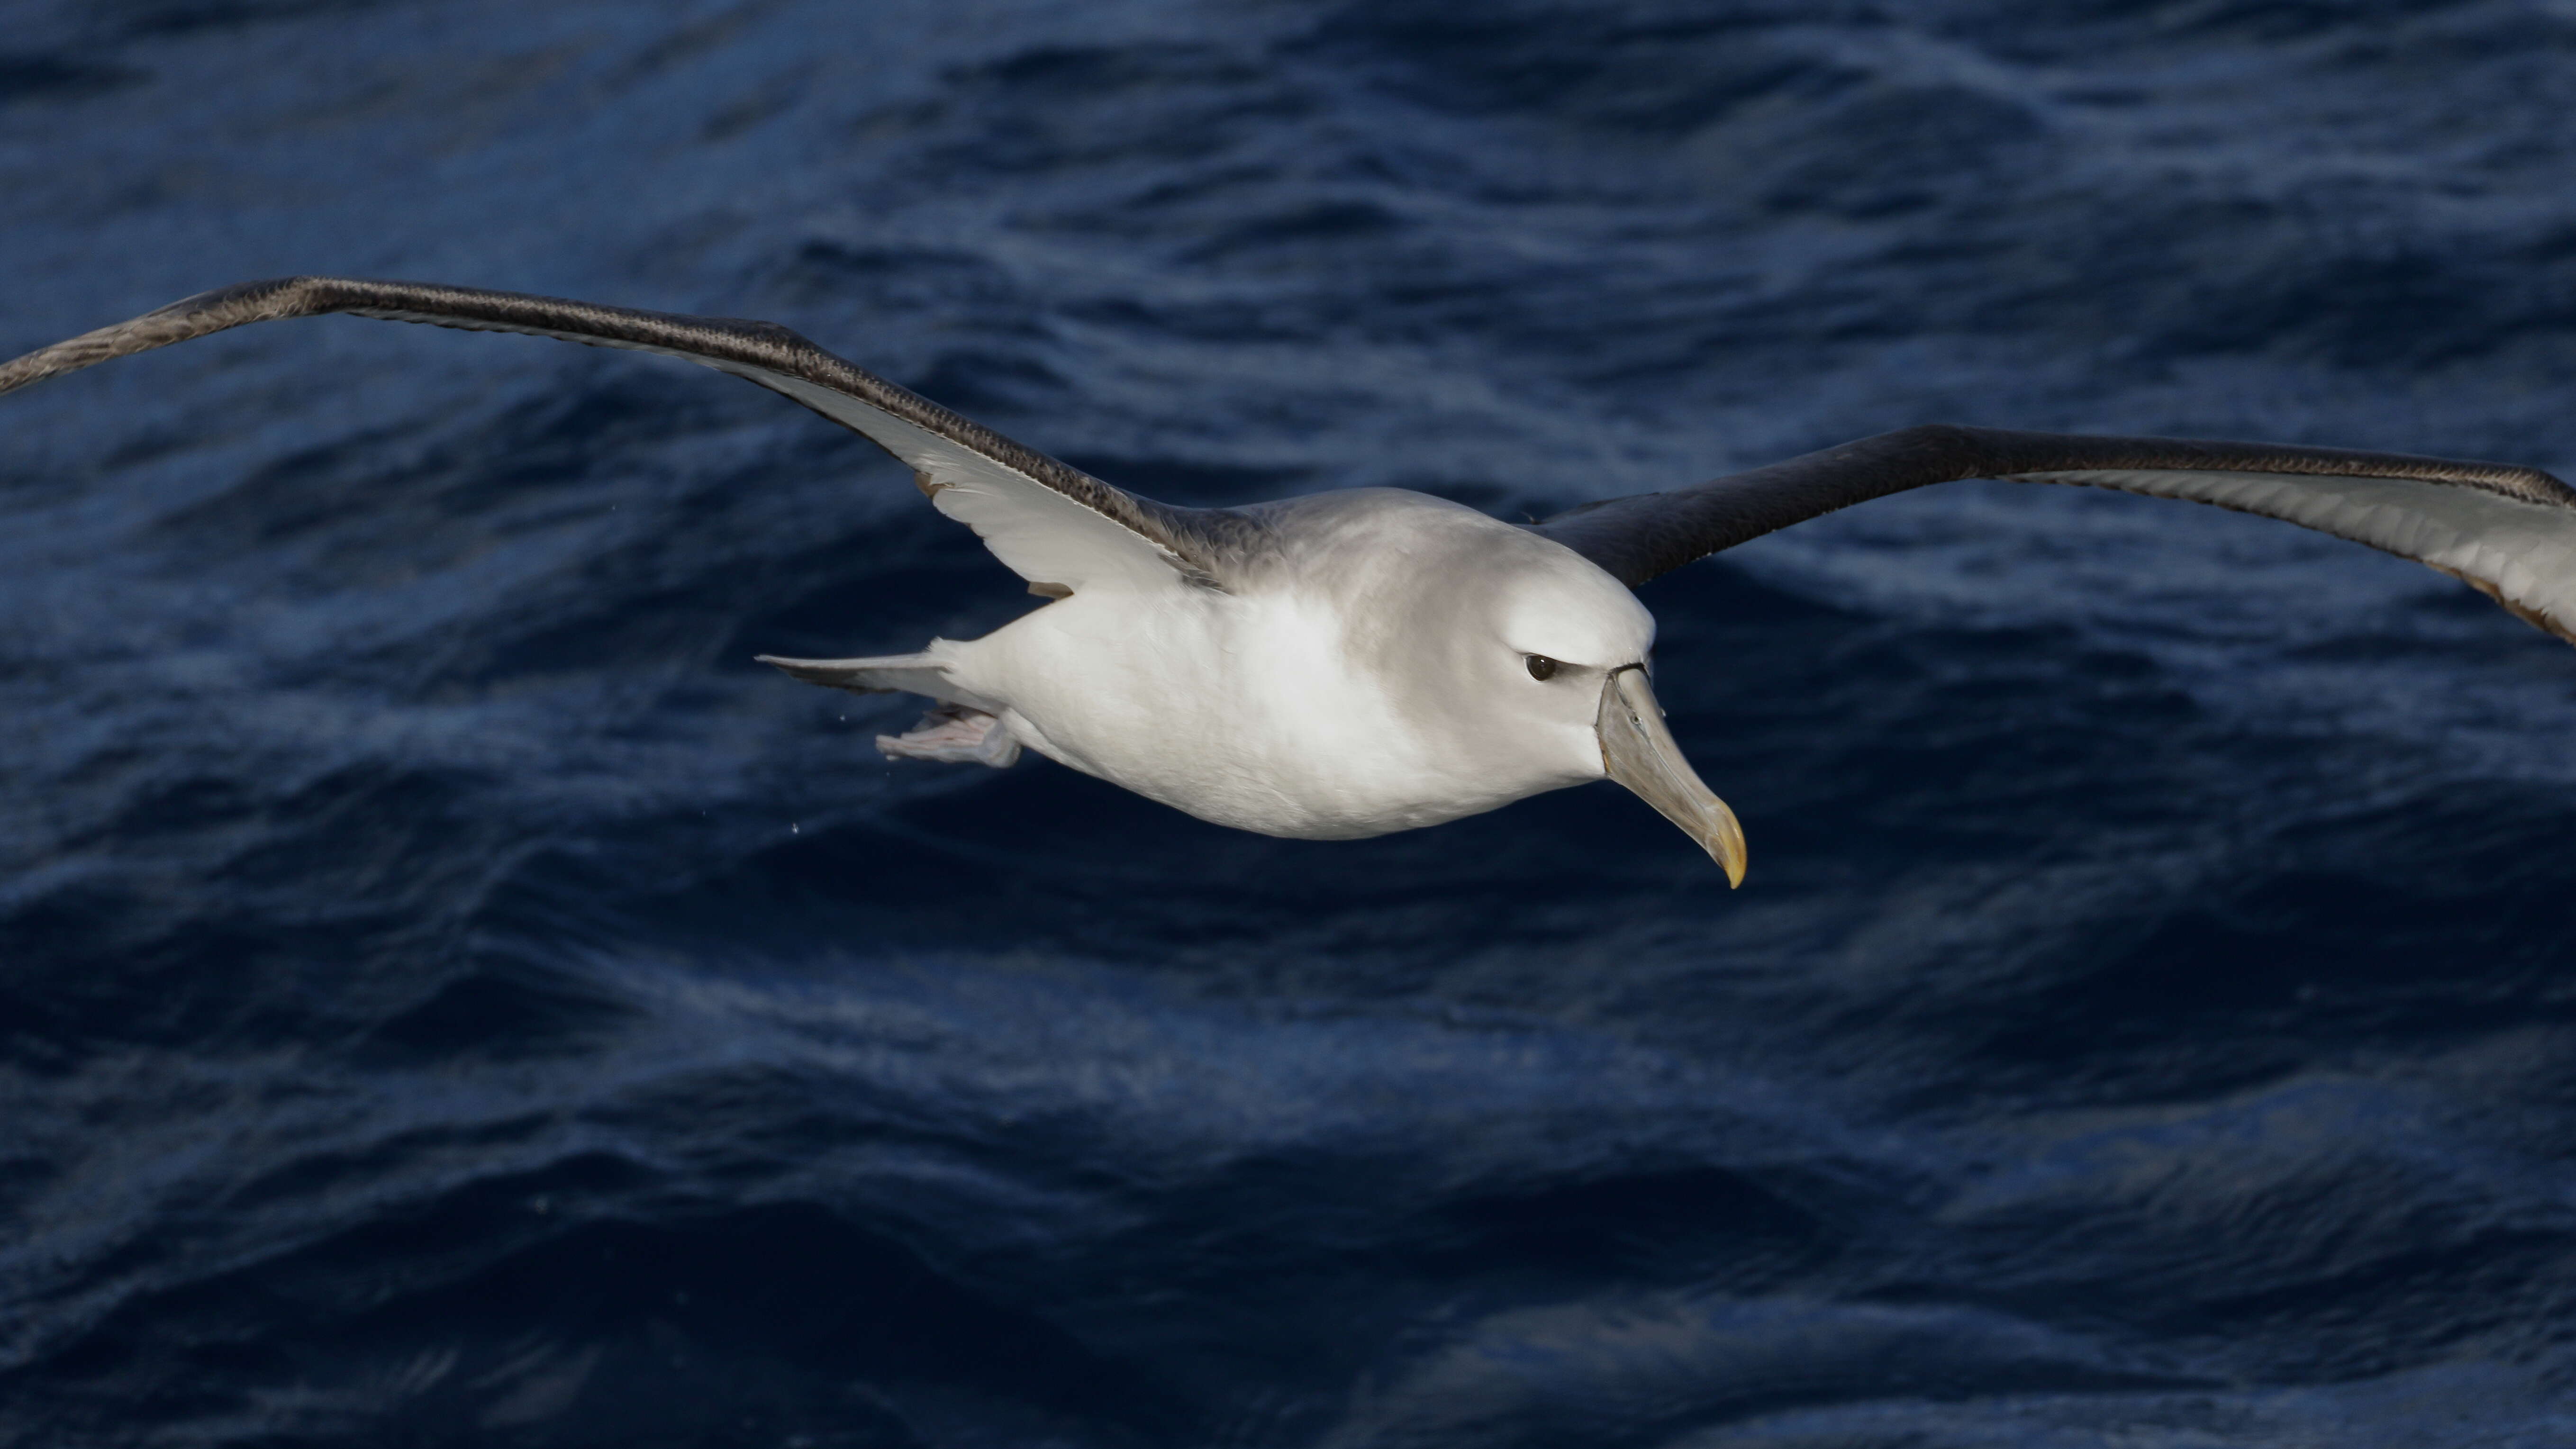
column 449, row 994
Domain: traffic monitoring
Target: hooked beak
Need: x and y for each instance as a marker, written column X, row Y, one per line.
column 1640, row 754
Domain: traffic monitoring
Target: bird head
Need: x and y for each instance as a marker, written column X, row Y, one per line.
column 1530, row 664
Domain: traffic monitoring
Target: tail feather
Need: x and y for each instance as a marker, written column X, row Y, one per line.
column 923, row 674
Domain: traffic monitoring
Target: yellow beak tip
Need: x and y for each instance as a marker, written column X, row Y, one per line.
column 1732, row 862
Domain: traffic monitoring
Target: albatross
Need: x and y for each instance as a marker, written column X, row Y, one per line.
column 1356, row 662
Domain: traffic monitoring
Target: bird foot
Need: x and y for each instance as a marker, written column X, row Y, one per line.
column 955, row 735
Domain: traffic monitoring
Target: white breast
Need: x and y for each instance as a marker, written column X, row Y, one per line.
column 1244, row 710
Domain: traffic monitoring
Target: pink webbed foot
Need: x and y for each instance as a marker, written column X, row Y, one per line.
column 956, row 735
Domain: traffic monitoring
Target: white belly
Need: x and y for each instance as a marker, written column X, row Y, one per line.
column 1239, row 710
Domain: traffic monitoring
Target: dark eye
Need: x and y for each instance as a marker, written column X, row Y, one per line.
column 1540, row 666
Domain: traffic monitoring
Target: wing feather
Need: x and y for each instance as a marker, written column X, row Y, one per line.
column 1052, row 524
column 2508, row 531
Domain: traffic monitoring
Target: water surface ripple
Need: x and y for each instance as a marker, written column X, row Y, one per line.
column 449, row 994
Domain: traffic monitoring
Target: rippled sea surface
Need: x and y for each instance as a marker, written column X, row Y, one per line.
column 449, row 994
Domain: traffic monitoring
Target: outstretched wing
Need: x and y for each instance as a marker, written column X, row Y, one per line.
column 2508, row 531
column 1056, row 526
